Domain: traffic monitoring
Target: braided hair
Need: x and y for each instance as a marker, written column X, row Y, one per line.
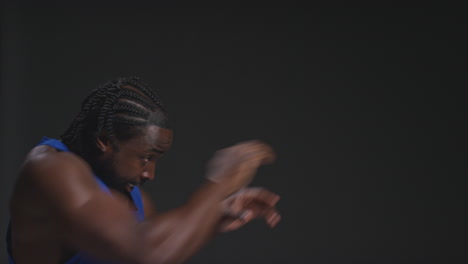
column 118, row 109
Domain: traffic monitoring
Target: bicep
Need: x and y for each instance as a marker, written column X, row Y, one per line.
column 86, row 218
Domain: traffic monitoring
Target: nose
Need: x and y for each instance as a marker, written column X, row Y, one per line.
column 148, row 172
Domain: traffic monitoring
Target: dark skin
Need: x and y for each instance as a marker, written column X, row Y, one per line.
column 57, row 207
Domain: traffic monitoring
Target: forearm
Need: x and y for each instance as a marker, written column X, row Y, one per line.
column 174, row 236
column 170, row 237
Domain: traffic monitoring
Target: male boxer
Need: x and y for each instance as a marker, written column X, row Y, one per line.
column 77, row 199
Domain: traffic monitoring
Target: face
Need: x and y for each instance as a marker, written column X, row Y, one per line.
column 135, row 160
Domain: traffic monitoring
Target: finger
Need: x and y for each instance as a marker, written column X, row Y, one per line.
column 277, row 220
column 258, row 209
column 234, row 225
column 232, row 208
column 273, row 219
column 247, row 215
column 260, row 195
column 237, row 223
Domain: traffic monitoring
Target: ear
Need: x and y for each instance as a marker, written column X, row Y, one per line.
column 102, row 143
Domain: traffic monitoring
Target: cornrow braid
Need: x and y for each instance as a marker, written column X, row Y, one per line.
column 118, row 109
column 86, row 115
column 119, row 121
column 129, row 109
column 137, row 83
column 137, row 98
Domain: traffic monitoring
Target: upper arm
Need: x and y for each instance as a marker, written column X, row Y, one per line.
column 87, row 218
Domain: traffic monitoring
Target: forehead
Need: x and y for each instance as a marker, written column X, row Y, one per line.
column 153, row 137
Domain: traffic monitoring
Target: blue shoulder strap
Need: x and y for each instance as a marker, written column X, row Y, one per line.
column 136, row 197
column 62, row 147
column 53, row 143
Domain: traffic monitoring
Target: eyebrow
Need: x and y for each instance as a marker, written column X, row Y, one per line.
column 157, row 150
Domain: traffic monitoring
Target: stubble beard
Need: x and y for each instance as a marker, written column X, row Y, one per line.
column 104, row 170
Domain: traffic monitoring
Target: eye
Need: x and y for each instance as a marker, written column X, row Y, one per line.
column 147, row 159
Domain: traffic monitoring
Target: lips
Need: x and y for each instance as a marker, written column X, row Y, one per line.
column 129, row 187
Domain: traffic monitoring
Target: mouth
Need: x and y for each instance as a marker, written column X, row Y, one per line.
column 129, row 187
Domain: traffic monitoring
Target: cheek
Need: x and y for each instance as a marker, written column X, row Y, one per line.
column 126, row 167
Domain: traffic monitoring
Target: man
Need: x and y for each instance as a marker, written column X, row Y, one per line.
column 77, row 199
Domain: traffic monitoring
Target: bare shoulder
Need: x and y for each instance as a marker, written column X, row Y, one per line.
column 44, row 161
column 56, row 175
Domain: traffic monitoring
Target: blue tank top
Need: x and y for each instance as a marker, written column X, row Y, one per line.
column 81, row 257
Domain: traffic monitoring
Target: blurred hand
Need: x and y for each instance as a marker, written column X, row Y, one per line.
column 236, row 166
column 248, row 204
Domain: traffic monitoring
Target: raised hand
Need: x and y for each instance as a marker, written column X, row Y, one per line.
column 236, row 166
column 248, row 204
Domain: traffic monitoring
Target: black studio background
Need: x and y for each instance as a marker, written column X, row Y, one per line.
column 364, row 109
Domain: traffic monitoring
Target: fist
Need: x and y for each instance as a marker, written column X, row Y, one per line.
column 237, row 165
column 248, row 204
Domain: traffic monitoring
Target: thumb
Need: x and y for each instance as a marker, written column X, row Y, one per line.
column 246, row 215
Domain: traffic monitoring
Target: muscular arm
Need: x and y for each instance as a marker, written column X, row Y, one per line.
column 92, row 221
column 95, row 222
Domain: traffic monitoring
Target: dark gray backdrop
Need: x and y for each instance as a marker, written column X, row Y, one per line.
column 362, row 106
